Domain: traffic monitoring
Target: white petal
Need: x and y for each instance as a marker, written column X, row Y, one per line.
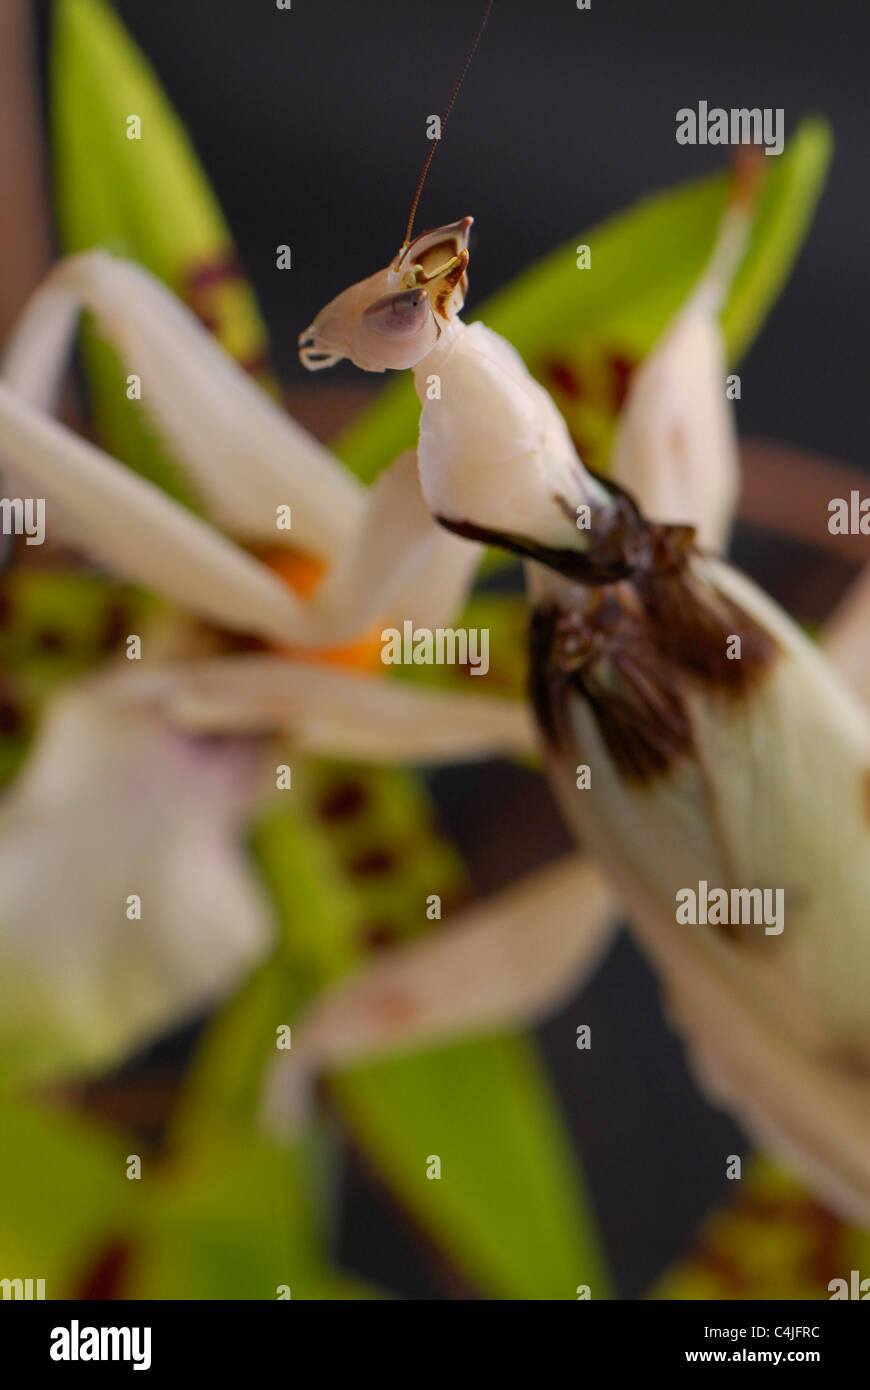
column 401, row 564
column 140, row 533
column 676, row 444
column 246, row 455
column 507, row 960
column 114, row 803
column 846, row 637
column 339, row 714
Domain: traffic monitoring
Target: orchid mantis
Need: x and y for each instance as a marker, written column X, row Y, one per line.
column 722, row 747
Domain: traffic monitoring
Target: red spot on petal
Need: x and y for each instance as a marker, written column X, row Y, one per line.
column 105, row 1278
column 372, row 863
column 377, row 936
column 563, row 377
column 343, row 802
column 620, row 369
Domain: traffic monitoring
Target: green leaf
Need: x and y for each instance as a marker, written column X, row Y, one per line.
column 508, row 1209
column 581, row 331
column 146, row 199
column 64, row 1187
column 235, row 1220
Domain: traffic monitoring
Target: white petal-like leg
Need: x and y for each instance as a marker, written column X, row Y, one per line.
column 339, row 714
column 114, row 803
column 505, row 961
column 247, row 456
column 676, row 445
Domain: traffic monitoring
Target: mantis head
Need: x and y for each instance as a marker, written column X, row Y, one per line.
column 395, row 317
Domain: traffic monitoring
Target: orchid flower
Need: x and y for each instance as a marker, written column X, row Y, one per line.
column 128, row 793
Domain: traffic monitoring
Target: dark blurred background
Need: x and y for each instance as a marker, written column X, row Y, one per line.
column 311, row 125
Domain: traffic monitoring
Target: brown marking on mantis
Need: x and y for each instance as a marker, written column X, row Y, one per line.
column 622, row 541
column 631, row 651
column 449, row 282
column 603, row 652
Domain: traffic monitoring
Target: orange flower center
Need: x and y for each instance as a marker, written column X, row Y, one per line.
column 302, row 573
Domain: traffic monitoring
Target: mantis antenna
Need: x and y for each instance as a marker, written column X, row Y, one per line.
column 453, row 95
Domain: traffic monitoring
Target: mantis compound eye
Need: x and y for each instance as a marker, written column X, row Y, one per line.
column 398, row 329
column 398, row 315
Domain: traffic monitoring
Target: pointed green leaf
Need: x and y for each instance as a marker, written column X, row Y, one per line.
column 145, row 198
column 507, row 1208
